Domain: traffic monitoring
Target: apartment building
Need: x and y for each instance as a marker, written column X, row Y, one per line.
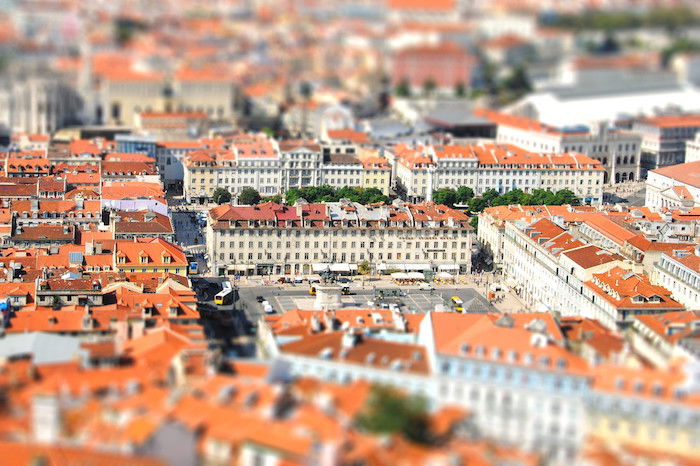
column 169, row 157
column 692, row 149
column 577, row 279
column 511, row 371
column 679, row 271
column 273, row 168
column 301, row 161
column 676, row 186
column 664, row 139
column 251, row 163
column 305, row 238
column 617, row 150
column 502, row 167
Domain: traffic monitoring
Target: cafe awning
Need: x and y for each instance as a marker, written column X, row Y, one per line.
column 417, row 266
column 448, row 267
column 320, row 267
column 340, row 267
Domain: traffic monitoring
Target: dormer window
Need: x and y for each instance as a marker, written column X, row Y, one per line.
column 167, row 259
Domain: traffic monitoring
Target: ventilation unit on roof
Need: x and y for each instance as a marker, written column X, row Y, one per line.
column 325, row 353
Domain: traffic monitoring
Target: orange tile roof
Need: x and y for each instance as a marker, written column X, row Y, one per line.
column 686, row 173
column 26, row 453
column 366, row 351
column 674, row 121
column 350, row 135
column 154, row 249
column 619, row 286
column 486, row 337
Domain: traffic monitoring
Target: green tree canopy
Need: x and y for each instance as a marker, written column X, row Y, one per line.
column 390, row 412
column 221, row 196
column 249, row 196
column 565, row 196
column 363, row 268
column 444, row 196
column 463, row 194
column 460, row 90
column 403, row 88
column 292, row 195
column 429, row 86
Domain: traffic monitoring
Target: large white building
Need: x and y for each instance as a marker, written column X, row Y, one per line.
column 617, row 150
column 676, row 186
column 664, row 139
column 308, row 238
column 577, row 279
column 503, row 167
column 680, row 273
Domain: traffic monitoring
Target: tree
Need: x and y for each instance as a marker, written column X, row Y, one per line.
column 444, row 196
column 249, row 196
column 221, row 196
column 460, row 89
column 463, row 194
column 474, row 223
column 269, row 131
column 518, row 82
column 429, row 86
column 390, row 412
column 489, row 195
column 403, row 88
column 363, row 268
column 291, row 196
column 511, row 197
column 477, row 204
column 566, row 196
column 276, row 199
column 542, row 197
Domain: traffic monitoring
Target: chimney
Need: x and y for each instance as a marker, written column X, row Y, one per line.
column 349, row 339
column 34, row 204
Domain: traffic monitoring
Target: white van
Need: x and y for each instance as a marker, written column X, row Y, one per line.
column 425, row 286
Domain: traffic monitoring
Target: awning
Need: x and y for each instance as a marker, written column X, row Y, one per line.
column 417, row 266
column 382, row 267
column 399, row 276
column 320, row 267
column 353, row 266
column 416, row 275
column 340, row 268
column 448, row 267
column 240, row 267
column 443, row 275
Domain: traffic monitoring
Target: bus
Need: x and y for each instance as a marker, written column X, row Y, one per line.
column 223, row 297
column 193, row 268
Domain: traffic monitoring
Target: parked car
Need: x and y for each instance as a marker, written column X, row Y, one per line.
column 260, row 299
column 425, row 286
column 344, row 280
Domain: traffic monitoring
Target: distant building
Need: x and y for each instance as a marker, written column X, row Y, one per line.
column 674, row 186
column 664, row 139
column 617, row 150
column 445, row 66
